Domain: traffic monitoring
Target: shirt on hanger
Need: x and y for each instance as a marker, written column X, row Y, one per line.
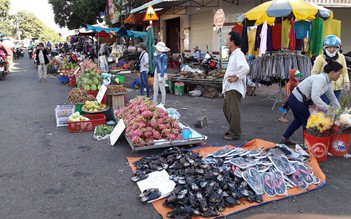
column 251, row 40
column 292, row 43
column 285, row 33
column 277, row 36
column 301, row 29
column 263, row 36
column 316, row 37
column 332, row 27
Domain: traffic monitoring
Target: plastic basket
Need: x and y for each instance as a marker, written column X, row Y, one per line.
column 64, row 110
column 79, row 108
column 61, row 121
column 85, row 126
column 72, row 81
column 95, row 93
column 63, row 79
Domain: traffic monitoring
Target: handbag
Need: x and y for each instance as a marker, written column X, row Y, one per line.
column 137, row 63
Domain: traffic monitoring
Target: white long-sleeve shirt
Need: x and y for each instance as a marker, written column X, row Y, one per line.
column 237, row 66
column 144, row 61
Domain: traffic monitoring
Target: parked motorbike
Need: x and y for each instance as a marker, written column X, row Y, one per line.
column 30, row 53
column 210, row 62
column 3, row 61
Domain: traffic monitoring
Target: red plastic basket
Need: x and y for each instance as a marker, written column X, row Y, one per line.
column 85, row 126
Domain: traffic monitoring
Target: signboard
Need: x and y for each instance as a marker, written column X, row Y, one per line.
column 117, row 131
column 219, row 18
column 150, row 14
column 113, row 13
column 101, row 93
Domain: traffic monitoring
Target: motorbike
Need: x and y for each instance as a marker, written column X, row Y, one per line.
column 30, row 53
column 18, row 53
column 3, row 61
column 348, row 61
column 210, row 62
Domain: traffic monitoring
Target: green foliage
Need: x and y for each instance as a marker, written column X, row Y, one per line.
column 29, row 26
column 74, row 13
column 4, row 8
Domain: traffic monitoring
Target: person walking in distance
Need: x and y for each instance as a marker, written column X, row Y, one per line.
column 234, row 85
column 144, row 69
column 160, row 62
column 42, row 61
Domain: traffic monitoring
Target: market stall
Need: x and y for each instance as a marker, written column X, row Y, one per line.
column 205, row 186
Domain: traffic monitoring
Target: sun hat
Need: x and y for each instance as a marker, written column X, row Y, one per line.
column 142, row 45
column 161, row 46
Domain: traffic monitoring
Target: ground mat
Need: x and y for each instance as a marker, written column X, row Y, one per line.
column 254, row 144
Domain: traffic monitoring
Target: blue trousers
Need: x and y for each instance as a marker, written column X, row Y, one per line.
column 301, row 114
column 325, row 98
column 144, row 83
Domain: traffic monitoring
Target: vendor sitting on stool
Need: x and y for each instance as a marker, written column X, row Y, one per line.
column 197, row 54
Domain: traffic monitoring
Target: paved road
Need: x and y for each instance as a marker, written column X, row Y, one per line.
column 46, row 172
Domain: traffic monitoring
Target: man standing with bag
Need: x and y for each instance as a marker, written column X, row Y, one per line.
column 234, row 85
column 42, row 61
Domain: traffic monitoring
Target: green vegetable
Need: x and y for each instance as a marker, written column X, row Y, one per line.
column 103, row 130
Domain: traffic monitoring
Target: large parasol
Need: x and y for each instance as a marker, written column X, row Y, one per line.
column 150, row 42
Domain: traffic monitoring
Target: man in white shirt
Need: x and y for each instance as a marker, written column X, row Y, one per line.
column 234, row 85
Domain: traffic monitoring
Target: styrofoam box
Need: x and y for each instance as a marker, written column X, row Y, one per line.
column 61, row 121
column 64, row 110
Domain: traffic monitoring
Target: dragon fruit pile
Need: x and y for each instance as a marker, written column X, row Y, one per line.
column 145, row 122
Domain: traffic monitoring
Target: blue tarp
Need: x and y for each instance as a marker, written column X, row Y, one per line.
column 136, row 34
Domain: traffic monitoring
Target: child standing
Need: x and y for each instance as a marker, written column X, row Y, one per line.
column 294, row 77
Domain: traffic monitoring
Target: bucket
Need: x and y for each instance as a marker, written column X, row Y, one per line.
column 72, row 81
column 119, row 79
column 317, row 145
column 179, row 88
column 339, row 144
column 79, row 108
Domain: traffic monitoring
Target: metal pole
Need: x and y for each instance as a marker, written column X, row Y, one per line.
column 220, row 48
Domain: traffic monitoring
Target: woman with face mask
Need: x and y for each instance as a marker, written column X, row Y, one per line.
column 331, row 47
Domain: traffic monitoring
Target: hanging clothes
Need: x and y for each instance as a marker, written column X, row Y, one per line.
column 269, row 39
column 244, row 41
column 315, row 41
column 251, row 42
column 301, row 29
column 258, row 38
column 263, row 36
column 292, row 42
column 285, row 33
column 238, row 28
column 332, row 27
column 277, row 66
column 277, row 36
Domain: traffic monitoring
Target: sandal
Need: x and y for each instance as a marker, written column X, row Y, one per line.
column 299, row 181
column 268, row 185
column 300, row 169
column 279, row 184
column 282, row 164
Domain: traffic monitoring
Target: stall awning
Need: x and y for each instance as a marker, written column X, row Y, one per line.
column 101, row 31
column 136, row 18
column 171, row 4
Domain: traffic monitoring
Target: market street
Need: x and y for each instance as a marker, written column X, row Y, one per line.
column 46, row 172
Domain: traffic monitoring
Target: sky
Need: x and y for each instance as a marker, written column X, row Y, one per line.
column 41, row 8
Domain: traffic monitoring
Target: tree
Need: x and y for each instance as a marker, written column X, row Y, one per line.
column 73, row 13
column 4, row 8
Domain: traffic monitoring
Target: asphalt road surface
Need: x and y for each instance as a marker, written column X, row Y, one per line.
column 46, row 172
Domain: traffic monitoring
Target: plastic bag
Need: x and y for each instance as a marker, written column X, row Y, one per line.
column 195, row 93
column 173, row 113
